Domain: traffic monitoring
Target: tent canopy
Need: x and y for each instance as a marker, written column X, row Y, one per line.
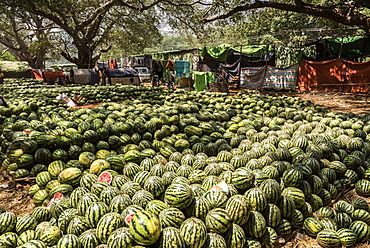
column 127, row 72
column 84, row 76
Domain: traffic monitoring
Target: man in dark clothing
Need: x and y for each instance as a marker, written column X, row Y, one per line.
column 1, row 77
column 51, row 81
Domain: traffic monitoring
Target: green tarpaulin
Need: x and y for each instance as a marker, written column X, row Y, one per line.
column 349, row 48
column 218, row 53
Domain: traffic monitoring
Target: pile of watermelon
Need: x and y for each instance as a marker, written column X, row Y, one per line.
column 183, row 169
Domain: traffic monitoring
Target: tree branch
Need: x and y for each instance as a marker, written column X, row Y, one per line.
column 339, row 15
column 98, row 12
column 51, row 17
column 144, row 7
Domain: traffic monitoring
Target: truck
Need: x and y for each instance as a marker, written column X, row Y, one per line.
column 144, row 73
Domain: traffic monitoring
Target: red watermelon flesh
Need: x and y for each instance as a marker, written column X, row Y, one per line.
column 128, row 218
column 105, row 177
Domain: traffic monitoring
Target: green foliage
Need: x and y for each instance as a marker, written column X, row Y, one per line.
column 7, row 56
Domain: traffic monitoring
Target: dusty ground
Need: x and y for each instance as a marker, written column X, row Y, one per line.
column 336, row 102
column 16, row 199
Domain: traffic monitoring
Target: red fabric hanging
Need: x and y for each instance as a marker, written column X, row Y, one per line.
column 333, row 75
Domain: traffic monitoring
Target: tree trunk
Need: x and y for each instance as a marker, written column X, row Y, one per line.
column 83, row 61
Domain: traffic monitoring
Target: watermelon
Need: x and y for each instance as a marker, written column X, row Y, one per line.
column 69, row 241
column 120, row 238
column 178, row 195
column 328, row 238
column 145, row 228
column 105, row 177
column 107, row 224
column 194, row 232
column 218, row 220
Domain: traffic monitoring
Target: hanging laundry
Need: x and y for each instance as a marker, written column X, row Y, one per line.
column 182, row 68
column 201, row 79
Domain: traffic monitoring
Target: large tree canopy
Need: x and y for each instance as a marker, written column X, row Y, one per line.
column 25, row 35
column 88, row 28
column 353, row 13
column 82, row 30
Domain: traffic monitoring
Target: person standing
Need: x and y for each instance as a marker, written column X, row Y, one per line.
column 1, row 77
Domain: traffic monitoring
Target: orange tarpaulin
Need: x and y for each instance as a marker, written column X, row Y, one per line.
column 52, row 75
column 334, row 75
column 37, row 74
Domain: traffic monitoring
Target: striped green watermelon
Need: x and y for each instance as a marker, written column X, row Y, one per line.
column 328, row 223
column 171, row 217
column 119, row 203
column 215, row 240
column 363, row 187
column 347, row 237
column 296, row 195
column 199, row 208
column 69, row 241
column 216, row 198
column 8, row 239
column 65, row 217
column 328, row 238
column 94, row 212
column 269, row 239
column 272, row 215
column 70, row 176
column 89, row 239
column 26, row 222
column 218, row 220
column 343, row 220
column 107, row 225
column 8, row 221
column 361, row 229
column 145, row 228
column 120, row 238
column 312, row 226
column 257, row 224
column 50, row 235
column 26, row 236
column 257, row 199
column 33, row 244
column 156, row 206
column 235, row 236
column 178, row 195
column 238, row 208
column 194, row 232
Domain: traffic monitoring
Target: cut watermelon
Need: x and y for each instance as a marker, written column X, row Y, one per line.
column 105, row 177
column 128, row 218
column 57, row 195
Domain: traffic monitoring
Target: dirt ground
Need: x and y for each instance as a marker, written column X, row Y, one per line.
column 15, row 199
column 336, row 102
